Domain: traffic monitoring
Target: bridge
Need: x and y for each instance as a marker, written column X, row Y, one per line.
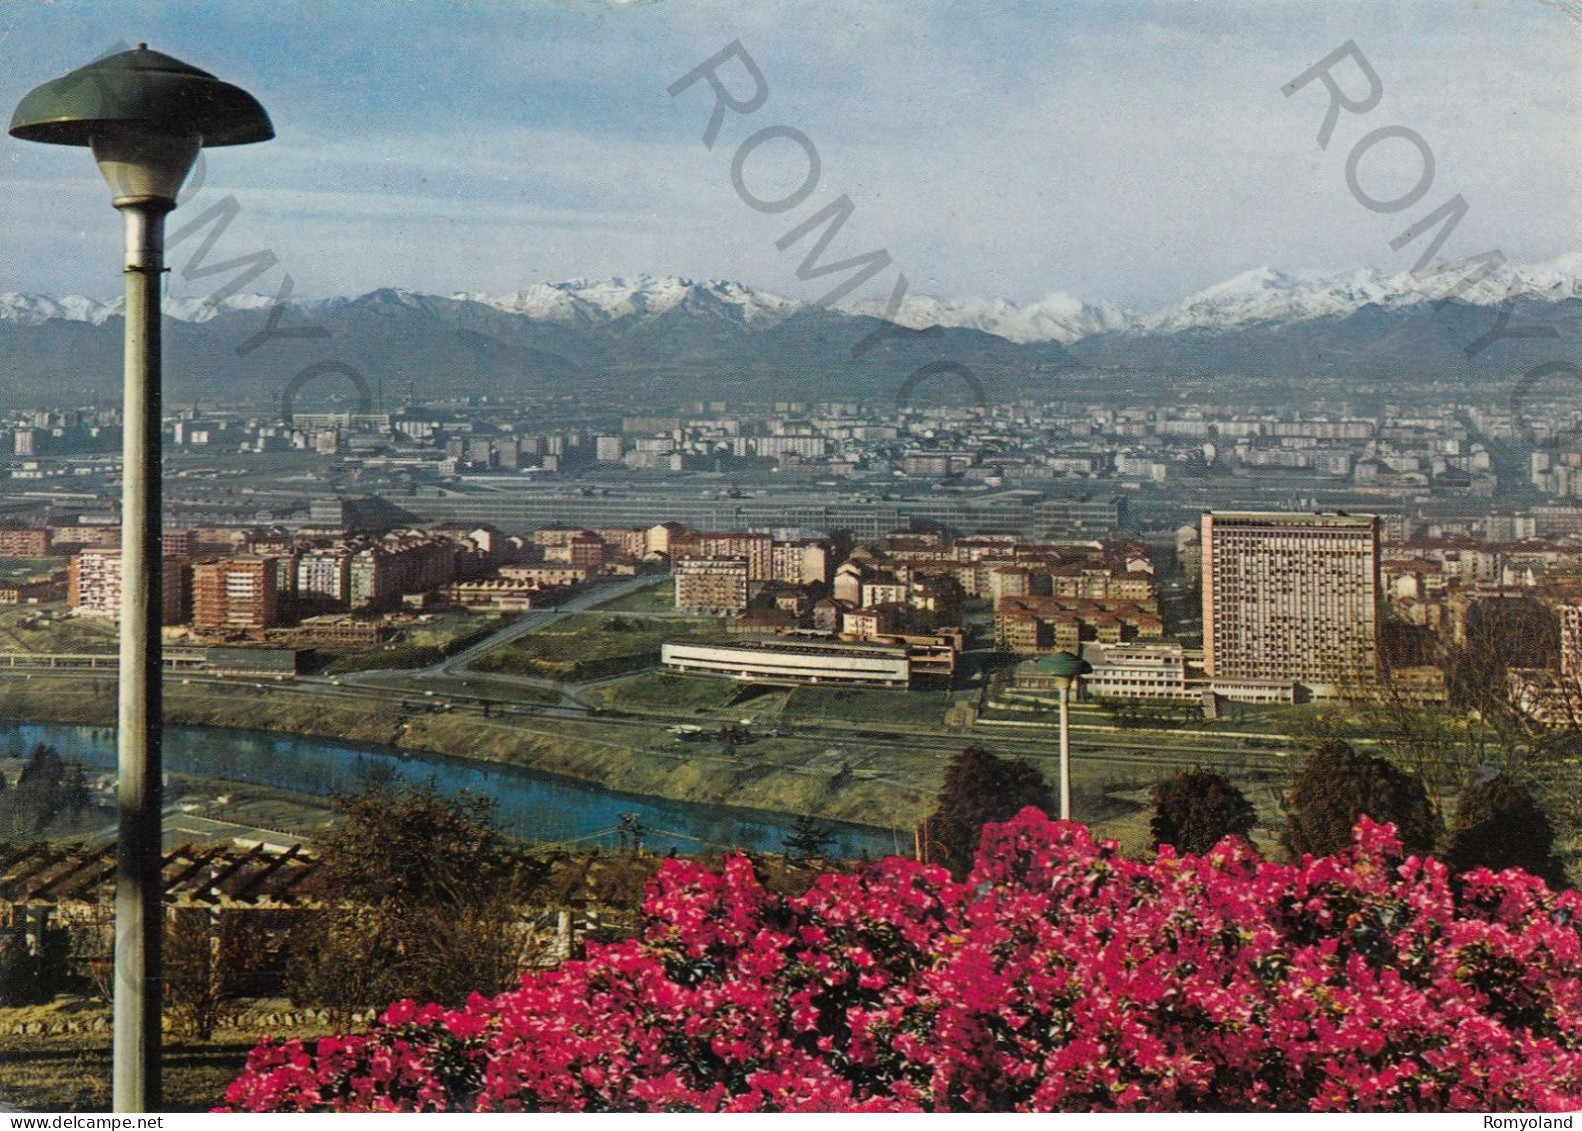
column 176, row 659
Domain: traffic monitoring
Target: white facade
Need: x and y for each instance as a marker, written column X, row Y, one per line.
column 1141, row 671
column 784, row 661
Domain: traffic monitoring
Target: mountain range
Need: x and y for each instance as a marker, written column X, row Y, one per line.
column 673, row 337
column 1261, row 296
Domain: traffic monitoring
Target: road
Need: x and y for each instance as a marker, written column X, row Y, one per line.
column 455, row 672
column 454, row 685
column 1097, row 746
column 599, row 593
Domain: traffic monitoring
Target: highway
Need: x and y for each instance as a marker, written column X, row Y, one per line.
column 542, row 706
column 640, row 730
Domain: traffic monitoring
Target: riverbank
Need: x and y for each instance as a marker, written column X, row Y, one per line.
column 632, row 759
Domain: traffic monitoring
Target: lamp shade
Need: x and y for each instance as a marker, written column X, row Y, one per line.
column 140, row 92
column 145, row 166
column 1064, row 667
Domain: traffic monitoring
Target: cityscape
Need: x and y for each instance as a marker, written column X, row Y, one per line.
column 504, row 680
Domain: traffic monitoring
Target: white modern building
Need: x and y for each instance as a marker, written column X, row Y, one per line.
column 793, row 661
column 1142, row 671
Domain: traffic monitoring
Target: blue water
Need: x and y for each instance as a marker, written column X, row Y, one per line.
column 534, row 805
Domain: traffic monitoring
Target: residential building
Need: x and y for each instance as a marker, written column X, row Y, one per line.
column 757, row 550
column 235, row 594
column 324, row 576
column 544, row 576
column 93, row 585
column 1571, row 642
column 803, row 561
column 24, row 542
column 711, row 586
column 1291, row 597
column 399, row 564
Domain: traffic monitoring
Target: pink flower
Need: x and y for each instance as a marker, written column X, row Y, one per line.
column 1059, row 976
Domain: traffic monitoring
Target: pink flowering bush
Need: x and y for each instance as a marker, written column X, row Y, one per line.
column 1059, row 976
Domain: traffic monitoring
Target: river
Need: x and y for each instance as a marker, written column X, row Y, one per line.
column 532, row 804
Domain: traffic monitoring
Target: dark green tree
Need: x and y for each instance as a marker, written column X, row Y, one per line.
column 809, row 839
column 1499, row 825
column 36, row 801
column 980, row 789
column 1338, row 785
column 1196, row 809
column 75, row 796
column 32, row 973
column 43, row 766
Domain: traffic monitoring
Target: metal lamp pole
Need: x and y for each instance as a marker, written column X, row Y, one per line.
column 1066, row 668
column 1065, row 750
column 139, row 851
column 145, row 115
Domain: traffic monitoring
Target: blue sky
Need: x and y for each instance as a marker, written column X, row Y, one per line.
column 1125, row 152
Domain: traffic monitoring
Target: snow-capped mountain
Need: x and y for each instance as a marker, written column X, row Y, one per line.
column 1059, row 318
column 696, row 340
column 585, row 301
column 1262, row 297
column 1259, row 297
column 32, row 310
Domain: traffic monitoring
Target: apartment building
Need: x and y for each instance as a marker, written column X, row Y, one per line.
column 711, row 586
column 235, row 594
column 1291, row 597
column 93, row 585
column 24, row 542
column 757, row 550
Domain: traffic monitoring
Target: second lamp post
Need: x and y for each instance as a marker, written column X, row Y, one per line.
column 1066, row 669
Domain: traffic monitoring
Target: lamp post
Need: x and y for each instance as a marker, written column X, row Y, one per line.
column 1067, row 669
column 144, row 115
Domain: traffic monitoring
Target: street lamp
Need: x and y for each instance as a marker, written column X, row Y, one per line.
column 1066, row 669
column 145, row 116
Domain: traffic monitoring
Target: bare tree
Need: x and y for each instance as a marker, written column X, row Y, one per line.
column 423, row 898
column 208, row 958
column 1505, row 707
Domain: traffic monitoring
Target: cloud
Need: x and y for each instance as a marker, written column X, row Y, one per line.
column 1129, row 152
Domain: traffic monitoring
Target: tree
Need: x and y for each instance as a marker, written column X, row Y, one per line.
column 412, row 846
column 1197, row 809
column 1531, row 729
column 981, row 788
column 44, row 767
column 1498, row 825
column 1338, row 785
column 37, row 799
column 33, row 972
column 809, row 839
column 75, row 796
column 424, row 903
